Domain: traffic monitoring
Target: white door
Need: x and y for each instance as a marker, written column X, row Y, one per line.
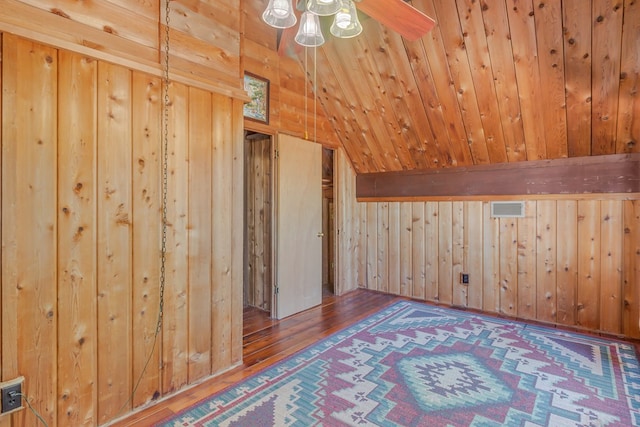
column 298, row 226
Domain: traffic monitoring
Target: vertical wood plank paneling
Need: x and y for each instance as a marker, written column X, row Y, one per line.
column 363, row 250
column 508, row 275
column 4, row 338
column 362, row 240
column 353, row 228
column 250, row 236
column 267, row 257
column 379, row 104
column 386, row 155
column 527, row 291
column 418, row 251
column 473, row 232
column 523, row 267
column 254, row 236
column 460, row 72
column 445, row 256
column 611, row 262
column 546, row 256
column 200, row 233
column 588, row 264
column 176, row 309
column 349, row 218
column 631, row 268
column 433, row 83
column 459, row 294
column 260, row 205
column 477, row 50
column 426, row 83
column 258, row 212
column 432, row 258
column 605, row 74
column 222, row 232
column 490, row 261
column 344, row 179
column 372, row 246
column 147, row 233
column 567, row 261
column 114, row 240
column 576, row 19
column 29, row 270
column 393, row 248
column 496, row 24
column 5, row 422
column 264, row 264
column 388, row 57
column 523, row 42
column 406, row 258
column 237, row 245
column 258, row 149
column 383, row 245
column 359, row 245
column 80, row 233
column 548, row 21
column 77, row 228
column 8, row 249
column 628, row 131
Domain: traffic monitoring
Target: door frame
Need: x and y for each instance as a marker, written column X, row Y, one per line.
column 272, row 212
column 302, row 150
column 273, row 136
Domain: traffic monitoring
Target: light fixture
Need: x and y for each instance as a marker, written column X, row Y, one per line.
column 279, row 14
column 323, row 7
column 309, row 32
column 346, row 24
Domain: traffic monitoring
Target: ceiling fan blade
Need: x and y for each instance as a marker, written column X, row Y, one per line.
column 398, row 16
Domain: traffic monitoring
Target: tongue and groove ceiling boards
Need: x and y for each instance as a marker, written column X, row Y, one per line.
column 492, row 82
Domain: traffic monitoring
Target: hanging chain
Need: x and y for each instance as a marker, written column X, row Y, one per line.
column 163, row 257
column 315, row 94
column 165, row 166
column 306, row 95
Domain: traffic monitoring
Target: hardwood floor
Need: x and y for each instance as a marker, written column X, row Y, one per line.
column 267, row 341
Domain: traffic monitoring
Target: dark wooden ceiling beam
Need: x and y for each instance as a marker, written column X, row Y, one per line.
column 618, row 173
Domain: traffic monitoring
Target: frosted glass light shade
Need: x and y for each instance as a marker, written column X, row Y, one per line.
column 324, row 7
column 279, row 14
column 309, row 32
column 346, row 23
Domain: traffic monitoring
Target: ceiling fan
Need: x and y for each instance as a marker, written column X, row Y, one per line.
column 397, row 15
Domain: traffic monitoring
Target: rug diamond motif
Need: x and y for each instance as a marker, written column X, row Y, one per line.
column 451, row 381
column 416, row 365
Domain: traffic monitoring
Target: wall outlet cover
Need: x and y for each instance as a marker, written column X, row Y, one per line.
column 11, row 395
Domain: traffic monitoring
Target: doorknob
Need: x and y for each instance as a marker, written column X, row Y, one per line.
column 320, row 234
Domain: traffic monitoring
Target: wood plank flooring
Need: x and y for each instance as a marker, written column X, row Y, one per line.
column 267, row 341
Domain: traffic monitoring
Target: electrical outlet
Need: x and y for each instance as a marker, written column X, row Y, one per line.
column 11, row 395
column 464, row 278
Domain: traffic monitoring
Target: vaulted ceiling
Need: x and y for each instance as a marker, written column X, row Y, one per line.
column 493, row 82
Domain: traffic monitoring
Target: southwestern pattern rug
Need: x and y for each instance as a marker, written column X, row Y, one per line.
column 416, row 365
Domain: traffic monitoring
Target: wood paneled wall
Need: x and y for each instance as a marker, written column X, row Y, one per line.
column 81, row 234
column 571, row 262
column 205, row 47
column 258, row 207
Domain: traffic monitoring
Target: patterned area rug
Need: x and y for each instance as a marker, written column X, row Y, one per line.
column 416, row 365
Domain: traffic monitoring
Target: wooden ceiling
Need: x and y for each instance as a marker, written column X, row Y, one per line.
column 493, row 82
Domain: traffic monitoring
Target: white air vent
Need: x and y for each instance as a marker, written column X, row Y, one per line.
column 507, row 209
